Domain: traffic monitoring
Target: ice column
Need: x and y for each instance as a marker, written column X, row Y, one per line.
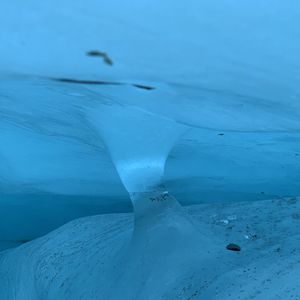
column 139, row 143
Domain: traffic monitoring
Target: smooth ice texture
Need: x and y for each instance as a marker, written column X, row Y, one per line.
column 199, row 100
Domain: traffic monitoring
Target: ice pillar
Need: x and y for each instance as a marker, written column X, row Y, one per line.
column 139, row 143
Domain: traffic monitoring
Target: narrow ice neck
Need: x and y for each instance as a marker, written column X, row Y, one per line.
column 152, row 204
column 141, row 174
column 138, row 143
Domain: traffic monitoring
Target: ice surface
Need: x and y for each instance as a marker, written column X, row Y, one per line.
column 199, row 104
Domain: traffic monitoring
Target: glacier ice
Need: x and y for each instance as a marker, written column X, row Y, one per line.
column 200, row 105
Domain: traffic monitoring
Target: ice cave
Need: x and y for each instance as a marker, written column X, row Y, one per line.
column 149, row 150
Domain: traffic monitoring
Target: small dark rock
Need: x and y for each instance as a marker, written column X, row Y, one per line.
column 233, row 247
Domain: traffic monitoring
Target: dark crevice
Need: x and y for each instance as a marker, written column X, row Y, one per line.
column 22, row 241
column 106, row 59
column 77, row 81
column 99, row 82
column 144, row 87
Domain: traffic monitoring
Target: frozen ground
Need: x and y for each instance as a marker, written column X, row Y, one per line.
column 80, row 259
